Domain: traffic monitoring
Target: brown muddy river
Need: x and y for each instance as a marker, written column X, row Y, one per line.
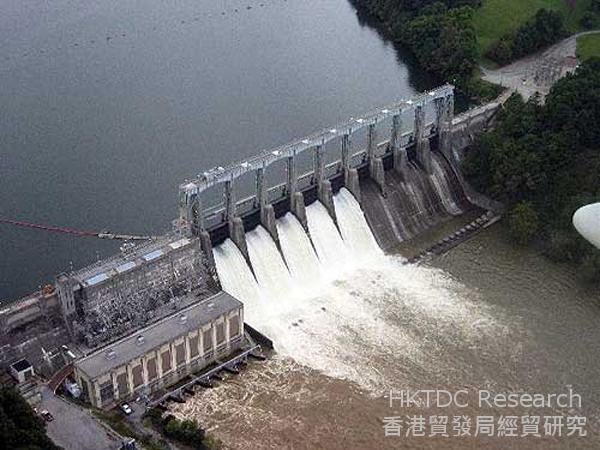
column 484, row 316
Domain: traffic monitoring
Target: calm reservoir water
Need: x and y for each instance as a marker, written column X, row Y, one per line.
column 105, row 107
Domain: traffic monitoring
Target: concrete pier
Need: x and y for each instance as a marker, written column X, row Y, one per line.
column 422, row 144
column 238, row 236
column 267, row 212
column 206, row 246
column 325, row 194
column 267, row 220
column 351, row 181
column 299, row 210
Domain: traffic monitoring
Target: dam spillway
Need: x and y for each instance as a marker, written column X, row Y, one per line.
column 305, row 260
column 414, row 201
column 300, row 256
column 358, row 298
column 401, row 138
column 304, row 266
column 399, row 162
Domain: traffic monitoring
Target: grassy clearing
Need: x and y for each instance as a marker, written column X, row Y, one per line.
column 588, row 46
column 495, row 18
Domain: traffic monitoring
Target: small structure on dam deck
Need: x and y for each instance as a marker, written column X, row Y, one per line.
column 159, row 355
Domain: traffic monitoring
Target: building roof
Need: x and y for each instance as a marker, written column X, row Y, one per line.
column 21, row 365
column 157, row 334
column 142, row 253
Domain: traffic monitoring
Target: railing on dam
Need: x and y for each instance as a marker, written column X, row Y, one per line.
column 387, row 130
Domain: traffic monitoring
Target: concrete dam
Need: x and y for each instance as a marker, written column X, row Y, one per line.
column 326, row 205
column 276, row 231
column 397, row 162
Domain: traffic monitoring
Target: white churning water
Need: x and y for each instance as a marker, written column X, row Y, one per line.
column 271, row 272
column 332, row 251
column 299, row 253
column 355, row 231
column 236, row 277
column 369, row 310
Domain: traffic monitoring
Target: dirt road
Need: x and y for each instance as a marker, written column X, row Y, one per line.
column 538, row 72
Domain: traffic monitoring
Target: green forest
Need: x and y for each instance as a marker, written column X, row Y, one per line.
column 543, row 162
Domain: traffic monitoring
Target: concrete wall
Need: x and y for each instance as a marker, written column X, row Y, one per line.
column 196, row 354
column 469, row 124
column 27, row 310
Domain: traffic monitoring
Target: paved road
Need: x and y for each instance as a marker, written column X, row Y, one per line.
column 538, row 72
column 74, row 428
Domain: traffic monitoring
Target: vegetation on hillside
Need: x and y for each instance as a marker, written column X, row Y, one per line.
column 543, row 161
column 591, row 18
column 20, row 427
column 588, row 46
column 441, row 36
column 541, row 31
column 450, row 37
column 187, row 432
column 498, row 18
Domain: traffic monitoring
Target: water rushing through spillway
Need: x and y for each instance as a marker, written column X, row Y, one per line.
column 270, row 270
column 300, row 255
column 340, row 305
column 354, row 228
column 236, row 277
column 332, row 251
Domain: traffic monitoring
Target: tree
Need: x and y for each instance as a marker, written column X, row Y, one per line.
column 523, row 222
column 444, row 44
column 544, row 29
column 186, row 431
column 20, row 427
column 543, row 161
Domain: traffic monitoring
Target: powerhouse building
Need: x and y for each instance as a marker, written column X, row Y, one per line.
column 162, row 353
column 104, row 301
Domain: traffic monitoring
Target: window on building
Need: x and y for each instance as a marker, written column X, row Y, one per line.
column 166, row 361
column 85, row 389
column 107, row 392
column 220, row 333
column 151, row 366
column 234, row 327
column 193, row 343
column 138, row 378
column 207, row 338
column 180, row 354
column 122, row 386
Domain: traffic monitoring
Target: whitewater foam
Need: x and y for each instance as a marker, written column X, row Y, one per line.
column 366, row 318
